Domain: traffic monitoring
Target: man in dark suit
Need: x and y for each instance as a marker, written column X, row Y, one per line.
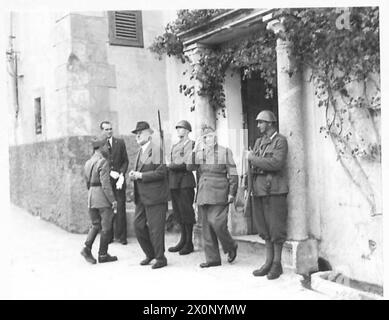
column 118, row 161
column 101, row 202
column 151, row 196
column 182, row 184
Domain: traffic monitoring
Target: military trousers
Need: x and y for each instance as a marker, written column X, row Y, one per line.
column 101, row 219
column 149, row 226
column 182, row 202
column 119, row 223
column 270, row 217
column 214, row 229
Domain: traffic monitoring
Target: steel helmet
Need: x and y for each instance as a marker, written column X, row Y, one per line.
column 267, row 116
column 184, row 124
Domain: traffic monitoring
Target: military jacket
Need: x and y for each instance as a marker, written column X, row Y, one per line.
column 100, row 194
column 179, row 176
column 218, row 176
column 269, row 164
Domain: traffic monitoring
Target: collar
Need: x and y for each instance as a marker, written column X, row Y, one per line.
column 144, row 147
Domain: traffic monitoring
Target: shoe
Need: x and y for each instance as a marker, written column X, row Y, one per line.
column 124, row 242
column 159, row 264
column 107, row 258
column 262, row 271
column 275, row 271
column 181, row 242
column 232, row 254
column 210, row 264
column 188, row 248
column 87, row 254
column 146, row 261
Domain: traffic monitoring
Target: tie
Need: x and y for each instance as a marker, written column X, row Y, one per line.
column 109, row 146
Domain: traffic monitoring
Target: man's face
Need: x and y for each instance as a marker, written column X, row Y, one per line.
column 262, row 126
column 107, row 130
column 182, row 133
column 210, row 139
column 142, row 137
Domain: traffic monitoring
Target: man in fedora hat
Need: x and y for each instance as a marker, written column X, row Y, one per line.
column 217, row 188
column 150, row 196
column 118, row 161
column 182, row 184
column 101, row 202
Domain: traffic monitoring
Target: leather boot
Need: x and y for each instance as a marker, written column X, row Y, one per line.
column 107, row 258
column 188, row 247
column 180, row 243
column 87, row 254
column 265, row 268
column 276, row 268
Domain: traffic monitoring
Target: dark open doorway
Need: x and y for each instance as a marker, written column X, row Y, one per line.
column 253, row 92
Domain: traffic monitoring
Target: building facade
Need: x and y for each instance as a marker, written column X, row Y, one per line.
column 77, row 69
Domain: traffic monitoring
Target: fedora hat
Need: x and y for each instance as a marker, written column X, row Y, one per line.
column 140, row 126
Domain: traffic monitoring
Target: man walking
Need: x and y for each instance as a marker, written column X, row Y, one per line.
column 118, row 161
column 101, row 202
column 270, row 189
column 151, row 196
column 182, row 184
column 217, row 188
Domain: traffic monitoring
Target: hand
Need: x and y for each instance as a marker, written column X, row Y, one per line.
column 131, row 175
column 231, row 198
column 136, row 175
column 120, row 181
column 114, row 174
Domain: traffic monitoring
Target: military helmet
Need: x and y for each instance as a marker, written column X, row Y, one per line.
column 184, row 124
column 267, row 116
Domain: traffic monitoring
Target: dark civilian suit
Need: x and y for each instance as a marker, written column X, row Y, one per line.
column 100, row 199
column 118, row 160
column 151, row 196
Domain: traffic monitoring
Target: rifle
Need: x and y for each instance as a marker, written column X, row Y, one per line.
column 249, row 201
column 162, row 143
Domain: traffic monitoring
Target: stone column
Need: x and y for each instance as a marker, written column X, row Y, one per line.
column 203, row 114
column 292, row 126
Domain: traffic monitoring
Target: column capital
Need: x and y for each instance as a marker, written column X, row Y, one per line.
column 276, row 25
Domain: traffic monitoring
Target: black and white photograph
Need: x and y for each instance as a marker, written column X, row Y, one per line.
column 193, row 151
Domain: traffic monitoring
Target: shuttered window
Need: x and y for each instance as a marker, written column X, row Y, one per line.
column 125, row 28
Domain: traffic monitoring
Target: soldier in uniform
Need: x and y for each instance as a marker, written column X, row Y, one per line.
column 181, row 185
column 270, row 189
column 151, row 191
column 217, row 187
column 101, row 202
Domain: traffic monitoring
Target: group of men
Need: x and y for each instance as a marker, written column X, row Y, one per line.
column 155, row 178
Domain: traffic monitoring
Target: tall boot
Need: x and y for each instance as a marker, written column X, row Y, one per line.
column 276, row 268
column 262, row 271
column 103, row 250
column 181, row 242
column 188, row 247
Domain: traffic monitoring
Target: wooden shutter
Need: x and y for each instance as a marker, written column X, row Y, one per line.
column 125, row 28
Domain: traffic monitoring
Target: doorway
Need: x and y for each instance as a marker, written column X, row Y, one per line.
column 253, row 93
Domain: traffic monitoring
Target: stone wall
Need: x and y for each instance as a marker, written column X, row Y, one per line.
column 47, row 179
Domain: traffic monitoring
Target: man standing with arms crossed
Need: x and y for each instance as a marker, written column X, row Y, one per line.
column 270, row 188
column 118, row 160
